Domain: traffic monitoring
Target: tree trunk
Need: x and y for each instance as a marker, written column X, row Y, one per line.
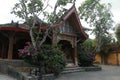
column 32, row 38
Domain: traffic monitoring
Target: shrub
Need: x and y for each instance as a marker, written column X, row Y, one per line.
column 85, row 52
column 54, row 59
column 50, row 58
column 86, row 59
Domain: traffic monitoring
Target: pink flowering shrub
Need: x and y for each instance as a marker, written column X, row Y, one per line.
column 27, row 53
column 48, row 57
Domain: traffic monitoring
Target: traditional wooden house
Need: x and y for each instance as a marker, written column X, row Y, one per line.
column 13, row 37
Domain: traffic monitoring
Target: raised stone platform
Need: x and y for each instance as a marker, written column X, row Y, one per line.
column 19, row 69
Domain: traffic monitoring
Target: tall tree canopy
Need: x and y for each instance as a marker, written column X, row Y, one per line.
column 99, row 16
column 30, row 10
column 117, row 33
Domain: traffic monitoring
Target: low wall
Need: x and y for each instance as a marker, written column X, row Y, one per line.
column 24, row 76
column 13, row 68
column 5, row 63
column 111, row 58
column 10, row 67
column 98, row 59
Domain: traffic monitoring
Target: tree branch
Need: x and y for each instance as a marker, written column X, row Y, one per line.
column 44, row 37
column 44, row 8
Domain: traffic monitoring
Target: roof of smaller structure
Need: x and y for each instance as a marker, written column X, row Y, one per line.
column 13, row 27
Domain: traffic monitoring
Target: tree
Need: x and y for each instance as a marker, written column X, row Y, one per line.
column 87, row 46
column 99, row 16
column 117, row 44
column 30, row 10
column 117, row 33
column 105, row 48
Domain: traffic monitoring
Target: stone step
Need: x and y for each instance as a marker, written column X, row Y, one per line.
column 80, row 69
column 72, row 70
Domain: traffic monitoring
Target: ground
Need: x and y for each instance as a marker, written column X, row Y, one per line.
column 5, row 77
column 107, row 73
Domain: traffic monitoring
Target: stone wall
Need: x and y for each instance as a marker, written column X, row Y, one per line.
column 24, row 76
column 10, row 67
column 5, row 63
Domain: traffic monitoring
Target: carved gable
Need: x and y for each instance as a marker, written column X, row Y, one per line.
column 66, row 27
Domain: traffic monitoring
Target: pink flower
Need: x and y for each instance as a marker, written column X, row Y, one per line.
column 28, row 53
column 20, row 52
column 34, row 49
column 25, row 48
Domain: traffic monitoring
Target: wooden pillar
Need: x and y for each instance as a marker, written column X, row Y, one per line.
column 75, row 57
column 2, row 48
column 75, row 53
column 10, row 47
column 2, row 52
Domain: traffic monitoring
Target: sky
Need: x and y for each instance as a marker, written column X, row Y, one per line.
column 7, row 5
column 115, row 9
